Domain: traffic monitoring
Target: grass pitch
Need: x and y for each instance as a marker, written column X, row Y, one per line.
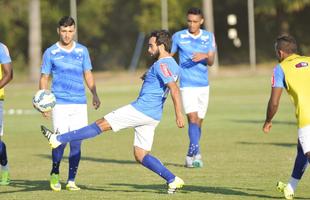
column 240, row 162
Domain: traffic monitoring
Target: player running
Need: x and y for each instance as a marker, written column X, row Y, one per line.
column 293, row 74
column 144, row 114
column 196, row 48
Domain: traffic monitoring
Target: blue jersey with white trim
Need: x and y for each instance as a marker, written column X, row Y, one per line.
column 193, row 74
column 154, row 90
column 67, row 68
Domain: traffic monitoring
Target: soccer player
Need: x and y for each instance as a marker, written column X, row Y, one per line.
column 196, row 49
column 68, row 64
column 293, row 74
column 6, row 75
column 144, row 114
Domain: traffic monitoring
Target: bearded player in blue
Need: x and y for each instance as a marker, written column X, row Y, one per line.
column 144, row 114
column 68, row 63
column 196, row 49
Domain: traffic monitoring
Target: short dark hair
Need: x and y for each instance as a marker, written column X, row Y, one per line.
column 162, row 37
column 66, row 21
column 286, row 43
column 194, row 11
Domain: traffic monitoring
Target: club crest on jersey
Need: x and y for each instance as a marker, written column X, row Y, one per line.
column 301, row 64
column 164, row 69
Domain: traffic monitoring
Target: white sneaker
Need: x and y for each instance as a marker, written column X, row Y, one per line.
column 189, row 162
column 51, row 137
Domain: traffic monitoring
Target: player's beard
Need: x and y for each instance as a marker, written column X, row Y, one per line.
column 155, row 55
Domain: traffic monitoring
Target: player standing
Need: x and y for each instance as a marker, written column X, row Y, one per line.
column 144, row 114
column 68, row 63
column 293, row 74
column 6, row 75
column 196, row 49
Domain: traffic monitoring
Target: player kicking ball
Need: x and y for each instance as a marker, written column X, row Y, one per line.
column 144, row 114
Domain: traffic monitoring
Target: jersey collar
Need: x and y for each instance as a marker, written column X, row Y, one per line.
column 194, row 36
column 66, row 50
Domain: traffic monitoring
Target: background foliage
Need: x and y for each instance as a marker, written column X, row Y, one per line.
column 110, row 27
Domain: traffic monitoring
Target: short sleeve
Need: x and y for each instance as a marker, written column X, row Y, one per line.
column 212, row 43
column 174, row 47
column 86, row 61
column 4, row 54
column 163, row 71
column 46, row 66
column 278, row 77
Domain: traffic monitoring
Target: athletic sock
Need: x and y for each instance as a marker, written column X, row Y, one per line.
column 89, row 131
column 74, row 159
column 293, row 183
column 194, row 133
column 156, row 166
column 57, row 155
column 3, row 154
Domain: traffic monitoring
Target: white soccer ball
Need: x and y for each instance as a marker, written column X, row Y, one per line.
column 44, row 100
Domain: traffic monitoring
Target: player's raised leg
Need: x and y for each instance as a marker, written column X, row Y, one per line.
column 86, row 132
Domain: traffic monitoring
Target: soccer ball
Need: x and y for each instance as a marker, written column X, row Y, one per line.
column 44, row 101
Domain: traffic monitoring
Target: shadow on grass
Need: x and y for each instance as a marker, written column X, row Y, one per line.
column 230, row 191
column 27, row 186
column 104, row 160
column 101, row 160
column 262, row 121
column 270, row 143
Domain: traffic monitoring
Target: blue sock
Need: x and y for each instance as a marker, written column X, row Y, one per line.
column 156, row 166
column 3, row 154
column 194, row 133
column 89, row 131
column 300, row 163
column 74, row 159
column 57, row 155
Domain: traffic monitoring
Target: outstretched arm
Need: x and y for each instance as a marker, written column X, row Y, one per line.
column 175, row 95
column 7, row 74
column 90, row 82
column 272, row 108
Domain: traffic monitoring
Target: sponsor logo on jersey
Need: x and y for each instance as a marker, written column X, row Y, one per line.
column 205, row 37
column 301, row 64
column 184, row 36
column 58, row 58
column 185, row 42
column 165, row 70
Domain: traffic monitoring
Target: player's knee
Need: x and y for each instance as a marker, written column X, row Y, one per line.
column 139, row 154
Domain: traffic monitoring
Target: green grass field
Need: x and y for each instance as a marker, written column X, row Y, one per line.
column 240, row 161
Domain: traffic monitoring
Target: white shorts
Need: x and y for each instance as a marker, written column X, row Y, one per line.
column 1, row 118
column 195, row 99
column 128, row 117
column 304, row 138
column 69, row 117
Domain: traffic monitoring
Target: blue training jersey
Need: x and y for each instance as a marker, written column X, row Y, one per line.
column 193, row 74
column 154, row 90
column 67, row 68
column 4, row 54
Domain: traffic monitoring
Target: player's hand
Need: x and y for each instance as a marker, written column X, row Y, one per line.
column 199, row 57
column 267, row 127
column 96, row 102
column 180, row 121
column 46, row 115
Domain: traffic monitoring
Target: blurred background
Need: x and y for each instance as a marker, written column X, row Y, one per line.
column 115, row 31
